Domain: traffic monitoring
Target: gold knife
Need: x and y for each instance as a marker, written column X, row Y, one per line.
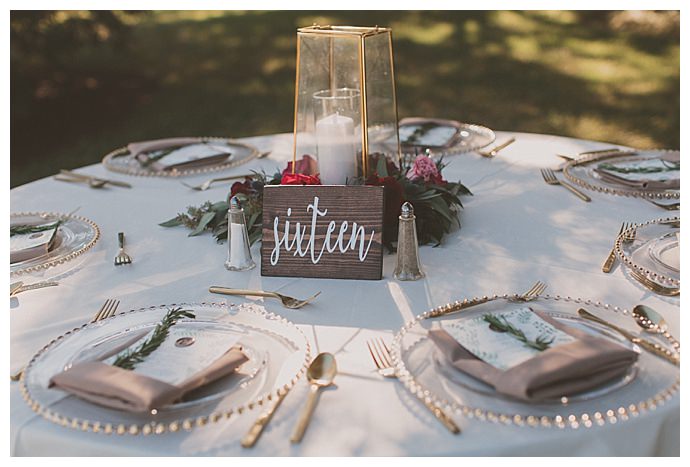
column 652, row 347
column 257, row 428
column 88, row 177
column 14, row 288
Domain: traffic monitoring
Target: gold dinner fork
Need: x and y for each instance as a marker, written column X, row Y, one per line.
column 107, row 310
column 122, row 257
column 611, row 258
column 207, row 184
column 380, row 353
column 550, row 178
column 493, row 151
column 287, row 301
column 653, row 286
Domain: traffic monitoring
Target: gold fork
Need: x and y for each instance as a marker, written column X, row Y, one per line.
column 107, row 310
column 287, row 301
column 207, row 184
column 533, row 293
column 550, row 178
column 380, row 353
column 493, row 151
column 653, row 286
column 122, row 257
column 611, row 258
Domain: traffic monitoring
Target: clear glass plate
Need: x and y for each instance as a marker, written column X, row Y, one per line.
column 121, row 161
column 651, row 381
column 654, row 251
column 582, row 172
column 278, row 355
column 74, row 236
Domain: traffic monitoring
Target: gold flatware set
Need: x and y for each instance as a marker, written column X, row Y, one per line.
column 93, row 182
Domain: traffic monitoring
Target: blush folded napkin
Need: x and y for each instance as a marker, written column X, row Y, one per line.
column 35, row 251
column 121, row 389
column 643, row 183
column 564, row 370
column 140, row 149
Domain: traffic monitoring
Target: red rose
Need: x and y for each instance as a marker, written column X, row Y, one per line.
column 307, row 165
column 299, row 179
column 394, row 199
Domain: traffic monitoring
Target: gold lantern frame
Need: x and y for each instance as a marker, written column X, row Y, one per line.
column 360, row 33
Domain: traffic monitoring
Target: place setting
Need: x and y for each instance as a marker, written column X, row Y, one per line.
column 535, row 360
column 165, row 368
column 180, row 156
column 42, row 240
column 652, row 175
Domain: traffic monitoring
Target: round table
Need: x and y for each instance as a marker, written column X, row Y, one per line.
column 516, row 229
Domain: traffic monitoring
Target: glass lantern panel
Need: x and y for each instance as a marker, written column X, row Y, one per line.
column 329, row 108
column 382, row 118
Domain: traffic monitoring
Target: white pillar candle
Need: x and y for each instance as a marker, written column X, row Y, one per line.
column 336, row 149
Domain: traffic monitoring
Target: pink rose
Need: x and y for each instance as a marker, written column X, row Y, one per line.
column 424, row 168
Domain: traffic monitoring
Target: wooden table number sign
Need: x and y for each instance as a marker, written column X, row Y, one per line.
column 322, row 231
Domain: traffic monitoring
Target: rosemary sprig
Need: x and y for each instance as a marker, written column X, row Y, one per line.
column 131, row 358
column 27, row 229
column 501, row 324
column 668, row 167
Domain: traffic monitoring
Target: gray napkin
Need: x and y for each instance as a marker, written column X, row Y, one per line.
column 26, row 254
column 563, row 370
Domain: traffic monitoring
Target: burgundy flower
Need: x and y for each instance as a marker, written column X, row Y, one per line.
column 242, row 187
column 307, row 165
column 394, row 199
column 299, row 179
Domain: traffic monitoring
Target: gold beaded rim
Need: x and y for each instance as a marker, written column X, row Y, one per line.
column 650, row 194
column 63, row 258
column 159, row 428
column 109, row 161
column 660, row 278
column 561, row 421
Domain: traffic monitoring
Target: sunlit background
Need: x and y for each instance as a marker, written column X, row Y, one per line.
column 84, row 83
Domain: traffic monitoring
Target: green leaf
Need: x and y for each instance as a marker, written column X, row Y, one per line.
column 381, row 167
column 174, row 222
column 205, row 219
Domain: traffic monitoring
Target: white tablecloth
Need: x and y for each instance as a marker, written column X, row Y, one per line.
column 515, row 230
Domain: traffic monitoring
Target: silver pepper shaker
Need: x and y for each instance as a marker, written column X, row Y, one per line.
column 239, row 254
column 408, row 267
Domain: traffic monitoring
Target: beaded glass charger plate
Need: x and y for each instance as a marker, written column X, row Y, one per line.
column 277, row 351
column 427, row 373
column 74, row 236
column 652, row 249
column 121, row 161
column 652, row 174
column 438, row 137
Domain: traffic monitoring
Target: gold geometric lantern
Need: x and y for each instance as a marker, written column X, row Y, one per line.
column 345, row 102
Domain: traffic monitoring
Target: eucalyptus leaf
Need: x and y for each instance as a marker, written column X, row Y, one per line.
column 205, row 219
column 174, row 222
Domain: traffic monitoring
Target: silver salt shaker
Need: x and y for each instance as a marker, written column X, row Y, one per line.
column 239, row 254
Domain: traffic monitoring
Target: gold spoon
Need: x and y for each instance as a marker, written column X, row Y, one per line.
column 648, row 319
column 492, row 152
column 320, row 374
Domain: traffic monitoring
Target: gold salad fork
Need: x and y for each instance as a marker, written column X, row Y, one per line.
column 380, row 353
column 493, row 151
column 550, row 178
column 107, row 310
column 122, row 257
column 532, row 294
column 287, row 301
column 207, row 184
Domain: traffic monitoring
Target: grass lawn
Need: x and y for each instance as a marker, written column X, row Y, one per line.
column 232, row 74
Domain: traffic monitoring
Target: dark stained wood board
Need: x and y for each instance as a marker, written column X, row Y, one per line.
column 362, row 205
